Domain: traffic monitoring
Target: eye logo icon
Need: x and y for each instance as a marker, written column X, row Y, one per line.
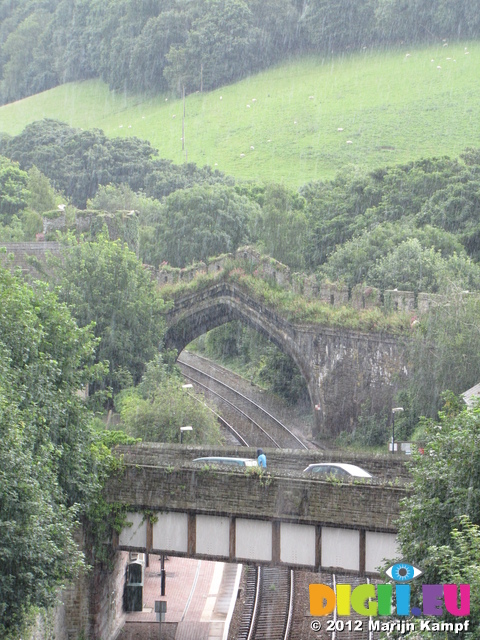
column 403, row 572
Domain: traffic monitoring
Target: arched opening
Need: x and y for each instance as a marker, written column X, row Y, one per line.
column 256, row 358
column 262, row 366
column 202, row 312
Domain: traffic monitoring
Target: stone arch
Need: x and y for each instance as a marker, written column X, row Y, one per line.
column 194, row 315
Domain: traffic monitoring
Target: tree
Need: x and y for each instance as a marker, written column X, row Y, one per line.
column 332, row 26
column 201, row 222
column 26, row 68
column 220, row 48
column 412, row 267
column 336, row 209
column 353, row 260
column 14, row 192
column 156, row 409
column 77, row 162
column 278, row 25
column 281, row 227
column 456, row 208
column 42, row 196
column 47, row 464
column 420, row 20
column 103, row 282
column 167, row 177
column 438, row 528
column 149, row 55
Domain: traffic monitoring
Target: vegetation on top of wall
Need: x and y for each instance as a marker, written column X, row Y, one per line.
column 293, row 307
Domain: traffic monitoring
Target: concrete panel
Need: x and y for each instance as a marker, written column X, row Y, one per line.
column 170, row 532
column 378, row 547
column 297, row 544
column 136, row 535
column 341, row 548
column 212, row 535
column 253, row 540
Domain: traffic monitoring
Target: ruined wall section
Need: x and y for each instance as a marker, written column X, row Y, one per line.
column 27, row 256
column 123, row 225
column 337, row 294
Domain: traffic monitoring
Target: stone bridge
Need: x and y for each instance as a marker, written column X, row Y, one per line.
column 275, row 518
column 343, row 369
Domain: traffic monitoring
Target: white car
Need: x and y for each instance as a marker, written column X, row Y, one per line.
column 239, row 462
column 340, row 469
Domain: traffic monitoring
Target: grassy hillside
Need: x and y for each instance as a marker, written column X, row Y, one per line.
column 300, row 121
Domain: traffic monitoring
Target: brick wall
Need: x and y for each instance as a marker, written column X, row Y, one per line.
column 106, row 599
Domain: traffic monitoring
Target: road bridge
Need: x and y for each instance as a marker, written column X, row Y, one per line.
column 284, row 519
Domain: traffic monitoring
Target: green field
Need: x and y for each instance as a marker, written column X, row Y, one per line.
column 297, row 122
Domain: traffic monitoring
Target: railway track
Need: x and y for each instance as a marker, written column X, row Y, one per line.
column 257, row 426
column 268, row 608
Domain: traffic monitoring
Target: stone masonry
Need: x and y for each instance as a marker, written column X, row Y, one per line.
column 343, row 369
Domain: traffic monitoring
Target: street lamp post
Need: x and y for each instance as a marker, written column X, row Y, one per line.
column 394, row 411
column 182, row 429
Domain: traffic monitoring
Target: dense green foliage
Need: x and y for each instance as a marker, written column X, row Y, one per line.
column 77, row 162
column 412, row 226
column 24, row 196
column 358, row 227
column 159, row 406
column 439, row 525
column 13, row 190
column 197, row 223
column 281, row 228
column 47, row 461
column 104, row 283
column 200, row 44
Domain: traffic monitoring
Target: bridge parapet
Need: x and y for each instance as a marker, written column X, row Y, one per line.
column 384, row 467
column 337, row 294
column 211, row 490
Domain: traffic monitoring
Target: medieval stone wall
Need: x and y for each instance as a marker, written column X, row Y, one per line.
column 26, row 255
column 337, row 294
column 123, row 225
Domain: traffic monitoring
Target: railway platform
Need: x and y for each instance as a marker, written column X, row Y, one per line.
column 200, row 598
